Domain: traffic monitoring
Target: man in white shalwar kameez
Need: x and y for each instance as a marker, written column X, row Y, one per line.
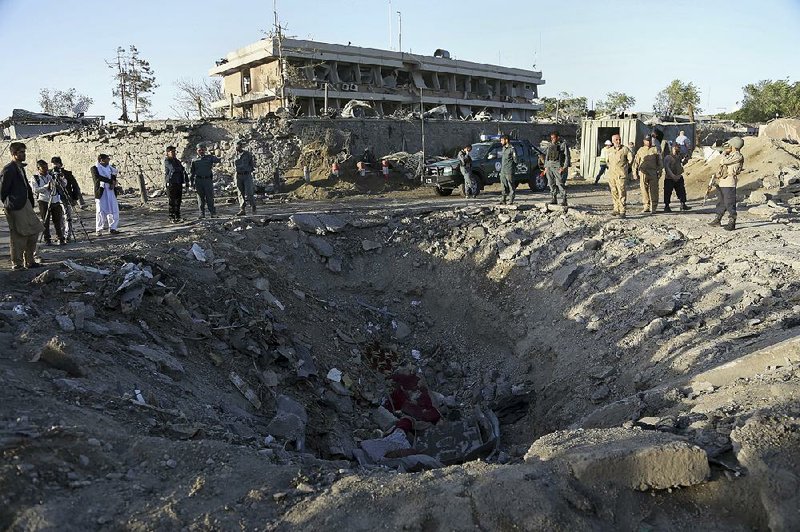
column 105, row 199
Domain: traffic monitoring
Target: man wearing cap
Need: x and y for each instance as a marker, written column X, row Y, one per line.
column 730, row 166
column 244, row 164
column 603, row 161
column 673, row 179
column 17, row 197
column 105, row 199
column 647, row 168
column 201, row 176
column 556, row 166
column 174, row 178
column 619, row 166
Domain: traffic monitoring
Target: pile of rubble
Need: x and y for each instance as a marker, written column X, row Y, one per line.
column 636, row 356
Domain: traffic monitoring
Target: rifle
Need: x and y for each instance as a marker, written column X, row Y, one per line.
column 710, row 188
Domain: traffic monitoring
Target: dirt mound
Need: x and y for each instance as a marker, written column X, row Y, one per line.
column 764, row 157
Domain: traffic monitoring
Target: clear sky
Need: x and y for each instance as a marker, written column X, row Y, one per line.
column 587, row 48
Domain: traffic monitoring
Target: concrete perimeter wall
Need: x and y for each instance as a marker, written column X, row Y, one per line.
column 274, row 143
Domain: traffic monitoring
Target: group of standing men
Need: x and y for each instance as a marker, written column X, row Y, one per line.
column 200, row 176
column 57, row 195
column 656, row 158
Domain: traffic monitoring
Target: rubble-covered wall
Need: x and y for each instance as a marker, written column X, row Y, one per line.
column 273, row 142
column 441, row 136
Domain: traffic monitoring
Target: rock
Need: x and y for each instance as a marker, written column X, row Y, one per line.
column 332, row 223
column 377, row 449
column 592, row 244
column 400, row 331
column 478, row 233
column 166, row 363
column 758, row 197
column 602, row 372
column 419, row 462
column 65, row 322
column 54, row 355
column 370, row 245
column 269, row 378
column 655, row 327
column 383, row 418
column 566, row 275
column 504, row 218
column 335, row 375
column 308, row 223
column 80, row 312
column 289, row 421
column 664, row 307
column 694, row 259
column 171, row 463
column 45, row 277
column 631, row 458
column 261, row 284
column 335, row 264
column 600, row 393
column 245, row 389
column 771, row 181
column 321, row 246
column 768, row 446
column 509, row 252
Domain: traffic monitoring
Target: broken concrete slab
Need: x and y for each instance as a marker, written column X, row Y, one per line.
column 566, row 275
column 633, row 458
column 334, row 264
column 308, row 223
column 166, row 363
column 321, row 246
column 289, row 421
column 769, row 447
column 377, row 449
column 370, row 245
column 332, row 223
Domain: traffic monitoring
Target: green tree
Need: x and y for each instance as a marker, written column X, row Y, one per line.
column 767, row 99
column 63, row 103
column 678, row 98
column 135, row 82
column 566, row 107
column 616, row 103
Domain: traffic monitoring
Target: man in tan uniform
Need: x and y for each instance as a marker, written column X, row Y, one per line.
column 618, row 159
column 730, row 166
column 647, row 166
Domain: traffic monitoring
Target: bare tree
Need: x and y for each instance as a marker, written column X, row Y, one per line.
column 135, row 82
column 194, row 98
column 68, row 102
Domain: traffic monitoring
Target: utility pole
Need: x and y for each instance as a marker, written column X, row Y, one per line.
column 400, row 32
column 391, row 37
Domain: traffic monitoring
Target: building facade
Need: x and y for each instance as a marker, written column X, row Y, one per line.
column 393, row 83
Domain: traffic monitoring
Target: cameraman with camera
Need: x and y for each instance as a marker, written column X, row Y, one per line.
column 47, row 195
column 72, row 189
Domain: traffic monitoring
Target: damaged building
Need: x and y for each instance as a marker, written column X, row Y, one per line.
column 318, row 76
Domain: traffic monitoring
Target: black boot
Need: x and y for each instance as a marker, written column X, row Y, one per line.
column 731, row 225
column 685, row 207
column 667, row 209
column 554, row 201
column 716, row 221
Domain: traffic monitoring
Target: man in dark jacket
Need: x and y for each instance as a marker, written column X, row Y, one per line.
column 72, row 188
column 174, row 178
column 17, row 198
column 556, row 166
